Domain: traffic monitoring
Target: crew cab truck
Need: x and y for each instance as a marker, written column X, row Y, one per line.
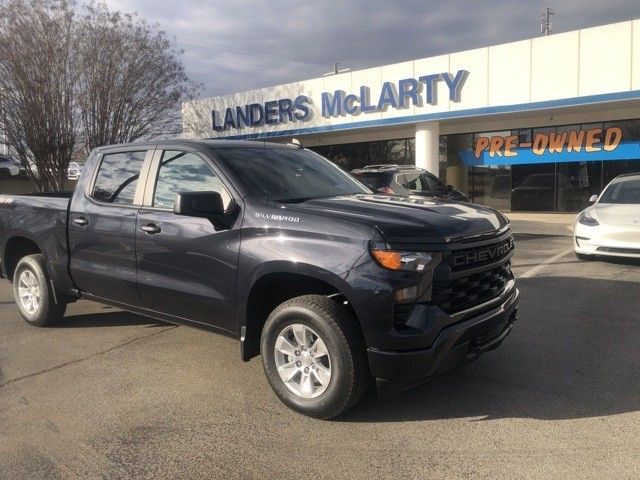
column 276, row 246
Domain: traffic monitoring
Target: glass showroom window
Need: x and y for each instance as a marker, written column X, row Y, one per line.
column 630, row 133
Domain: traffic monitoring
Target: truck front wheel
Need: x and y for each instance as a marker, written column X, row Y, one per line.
column 33, row 292
column 314, row 356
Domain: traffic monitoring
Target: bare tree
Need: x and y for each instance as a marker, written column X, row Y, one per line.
column 77, row 77
column 37, row 84
column 132, row 82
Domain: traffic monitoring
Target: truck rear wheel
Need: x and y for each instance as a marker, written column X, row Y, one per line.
column 314, row 356
column 33, row 292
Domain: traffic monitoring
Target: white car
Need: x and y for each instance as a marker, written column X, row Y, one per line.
column 611, row 226
column 73, row 171
column 9, row 167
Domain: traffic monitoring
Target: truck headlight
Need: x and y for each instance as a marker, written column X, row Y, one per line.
column 586, row 219
column 403, row 260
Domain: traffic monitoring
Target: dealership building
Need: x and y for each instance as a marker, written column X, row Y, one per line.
column 538, row 124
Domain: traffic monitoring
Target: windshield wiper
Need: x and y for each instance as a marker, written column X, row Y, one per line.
column 304, row 199
column 293, row 200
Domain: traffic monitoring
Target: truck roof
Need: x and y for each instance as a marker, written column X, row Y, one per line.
column 385, row 168
column 203, row 142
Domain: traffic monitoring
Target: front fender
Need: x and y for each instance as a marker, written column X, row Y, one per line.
column 337, row 281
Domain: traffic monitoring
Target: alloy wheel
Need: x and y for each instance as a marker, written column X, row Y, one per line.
column 29, row 292
column 303, row 361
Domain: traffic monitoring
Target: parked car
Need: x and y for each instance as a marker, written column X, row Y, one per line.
column 405, row 181
column 9, row 167
column 536, row 192
column 275, row 246
column 73, row 171
column 611, row 226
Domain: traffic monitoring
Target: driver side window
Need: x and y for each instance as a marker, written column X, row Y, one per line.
column 185, row 172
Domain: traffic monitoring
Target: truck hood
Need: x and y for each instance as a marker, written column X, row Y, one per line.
column 411, row 219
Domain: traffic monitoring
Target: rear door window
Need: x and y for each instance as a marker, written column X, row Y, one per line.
column 117, row 177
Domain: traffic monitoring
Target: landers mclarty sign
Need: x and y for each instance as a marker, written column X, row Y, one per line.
column 407, row 92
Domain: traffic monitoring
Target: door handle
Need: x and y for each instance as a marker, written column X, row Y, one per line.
column 150, row 229
column 81, row 221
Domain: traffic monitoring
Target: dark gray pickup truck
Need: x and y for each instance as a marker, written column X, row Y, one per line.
column 275, row 246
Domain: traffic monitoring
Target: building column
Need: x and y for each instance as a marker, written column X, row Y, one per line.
column 428, row 146
column 457, row 171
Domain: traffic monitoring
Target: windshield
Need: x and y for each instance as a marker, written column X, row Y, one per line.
column 625, row 191
column 288, row 174
column 373, row 180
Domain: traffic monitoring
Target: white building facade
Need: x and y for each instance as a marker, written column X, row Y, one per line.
column 538, row 124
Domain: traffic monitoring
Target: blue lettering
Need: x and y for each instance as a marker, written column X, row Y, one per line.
column 214, row 123
column 242, row 116
column 285, row 109
column 405, row 93
column 408, row 87
column 455, row 84
column 365, row 95
column 430, row 82
column 332, row 105
column 229, row 121
column 387, row 96
column 349, row 104
column 271, row 112
column 256, row 114
column 300, row 103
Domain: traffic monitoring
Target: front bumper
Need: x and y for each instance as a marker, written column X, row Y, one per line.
column 607, row 241
column 455, row 345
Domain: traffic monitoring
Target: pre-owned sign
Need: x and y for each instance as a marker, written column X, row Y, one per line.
column 569, row 146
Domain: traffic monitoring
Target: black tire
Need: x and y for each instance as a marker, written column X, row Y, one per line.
column 584, row 256
column 339, row 331
column 48, row 311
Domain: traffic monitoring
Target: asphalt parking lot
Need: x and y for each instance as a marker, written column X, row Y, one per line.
column 112, row 395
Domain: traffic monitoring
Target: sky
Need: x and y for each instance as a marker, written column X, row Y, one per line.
column 236, row 45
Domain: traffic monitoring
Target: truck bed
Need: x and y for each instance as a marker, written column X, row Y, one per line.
column 40, row 218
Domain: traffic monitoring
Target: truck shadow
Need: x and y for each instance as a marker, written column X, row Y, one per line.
column 618, row 260
column 524, row 237
column 569, row 356
column 108, row 319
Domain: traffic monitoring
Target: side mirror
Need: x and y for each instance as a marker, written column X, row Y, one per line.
column 201, row 204
column 593, row 198
column 449, row 188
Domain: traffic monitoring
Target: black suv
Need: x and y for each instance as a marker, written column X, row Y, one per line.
column 406, row 180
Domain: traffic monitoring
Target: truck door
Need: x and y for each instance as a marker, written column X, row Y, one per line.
column 186, row 266
column 102, row 227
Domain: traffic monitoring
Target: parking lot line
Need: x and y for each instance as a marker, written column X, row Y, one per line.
column 533, row 271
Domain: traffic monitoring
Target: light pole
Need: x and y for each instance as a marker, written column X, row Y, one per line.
column 545, row 25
